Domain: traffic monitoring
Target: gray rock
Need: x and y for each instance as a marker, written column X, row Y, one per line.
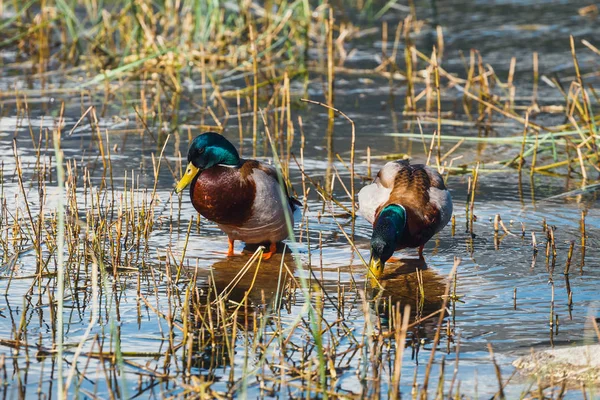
column 578, row 364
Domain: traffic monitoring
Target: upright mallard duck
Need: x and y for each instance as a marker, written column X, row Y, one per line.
column 242, row 197
column 407, row 204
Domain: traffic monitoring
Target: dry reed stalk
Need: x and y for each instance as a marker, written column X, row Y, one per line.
column 409, row 60
column 510, row 84
column 498, row 373
column 587, row 113
column 536, row 76
column 254, row 54
column 521, row 156
column 330, row 62
column 569, row 256
column 438, row 95
column 472, row 191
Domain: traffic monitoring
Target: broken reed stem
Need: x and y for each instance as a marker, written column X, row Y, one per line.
column 569, row 256
column 472, row 202
column 535, row 249
column 553, row 243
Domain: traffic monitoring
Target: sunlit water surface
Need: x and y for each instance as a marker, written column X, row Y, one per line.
column 490, row 272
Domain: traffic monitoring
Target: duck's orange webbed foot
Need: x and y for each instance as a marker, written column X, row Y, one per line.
column 230, row 252
column 272, row 250
column 393, row 259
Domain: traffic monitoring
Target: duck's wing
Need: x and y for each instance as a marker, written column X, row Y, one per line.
column 294, row 204
column 422, row 192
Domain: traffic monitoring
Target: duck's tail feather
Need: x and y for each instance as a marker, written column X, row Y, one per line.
column 296, row 206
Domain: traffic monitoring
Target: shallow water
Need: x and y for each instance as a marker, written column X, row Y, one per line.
column 489, row 272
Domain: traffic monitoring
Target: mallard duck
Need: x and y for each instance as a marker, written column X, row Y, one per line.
column 242, row 197
column 407, row 204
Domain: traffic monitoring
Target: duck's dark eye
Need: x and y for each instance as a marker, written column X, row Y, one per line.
column 201, row 151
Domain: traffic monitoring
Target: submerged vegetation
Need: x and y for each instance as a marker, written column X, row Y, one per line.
column 112, row 288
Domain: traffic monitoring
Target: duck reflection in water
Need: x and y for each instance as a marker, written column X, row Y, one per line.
column 409, row 282
column 235, row 278
column 236, row 291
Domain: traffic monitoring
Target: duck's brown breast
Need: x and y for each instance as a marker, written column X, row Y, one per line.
column 224, row 195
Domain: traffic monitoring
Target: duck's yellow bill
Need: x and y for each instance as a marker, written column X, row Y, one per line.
column 190, row 173
column 375, row 267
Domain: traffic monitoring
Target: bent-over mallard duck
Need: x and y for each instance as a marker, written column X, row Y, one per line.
column 243, row 197
column 407, row 204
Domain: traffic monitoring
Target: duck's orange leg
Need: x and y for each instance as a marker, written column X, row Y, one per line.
column 230, row 252
column 272, row 250
column 421, row 250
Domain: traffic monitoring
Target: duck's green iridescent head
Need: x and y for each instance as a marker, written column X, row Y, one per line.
column 207, row 150
column 388, row 230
